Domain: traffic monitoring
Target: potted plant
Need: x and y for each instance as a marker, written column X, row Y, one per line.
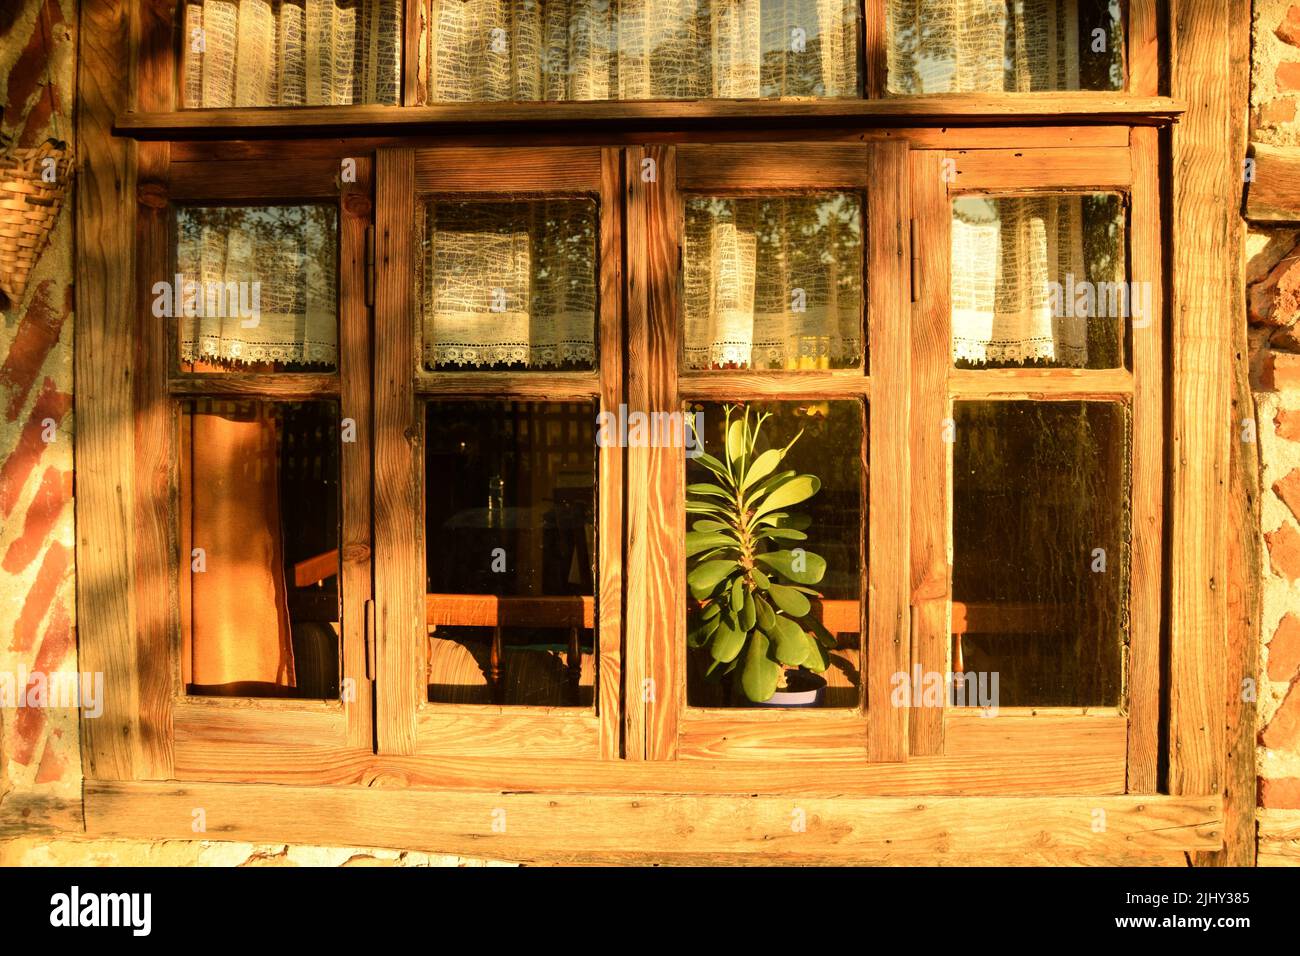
column 748, row 572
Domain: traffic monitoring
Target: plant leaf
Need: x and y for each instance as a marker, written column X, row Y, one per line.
column 792, row 645
column 728, row 639
column 706, row 488
column 748, row 612
column 763, row 466
column 708, row 575
column 737, row 595
column 697, row 541
column 760, row 675
column 789, row 600
column 764, row 617
column 783, row 562
column 760, row 578
column 818, row 659
column 701, row 632
column 715, row 466
column 790, row 492
column 736, row 445
column 704, row 524
column 782, row 534
column 704, row 508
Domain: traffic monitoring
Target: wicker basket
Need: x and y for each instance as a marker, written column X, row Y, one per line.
column 29, row 207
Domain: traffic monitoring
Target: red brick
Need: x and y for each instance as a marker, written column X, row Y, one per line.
column 1280, row 794
column 1288, row 424
column 39, row 597
column 1288, row 31
column 30, row 76
column 1277, row 112
column 1276, row 299
column 42, row 514
column 1280, row 372
column 50, row 403
column 1288, row 77
column 1288, row 489
column 1283, row 731
column 1284, row 551
column 37, row 334
column 1284, row 650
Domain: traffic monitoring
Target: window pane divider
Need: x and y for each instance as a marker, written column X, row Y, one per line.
column 275, row 386
column 550, row 386
column 1040, row 383
column 729, row 386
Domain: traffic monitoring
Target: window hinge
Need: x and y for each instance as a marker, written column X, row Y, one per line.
column 916, row 260
column 370, row 265
column 370, row 639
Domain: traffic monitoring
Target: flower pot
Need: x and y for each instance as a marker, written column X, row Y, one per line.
column 803, row 689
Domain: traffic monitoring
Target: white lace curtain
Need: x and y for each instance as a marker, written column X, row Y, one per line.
column 982, row 46
column 509, row 283
column 642, row 49
column 773, row 283
column 283, row 255
column 1006, row 253
column 292, row 52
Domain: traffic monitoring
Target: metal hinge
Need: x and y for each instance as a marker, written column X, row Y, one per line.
column 370, row 265
column 916, row 260
column 370, row 639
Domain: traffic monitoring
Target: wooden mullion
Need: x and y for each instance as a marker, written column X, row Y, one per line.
column 1039, row 170
column 931, row 569
column 1147, row 493
column 874, row 56
column 522, row 386
column 769, row 167
column 414, row 41
column 398, row 468
column 497, row 172
column 723, row 386
column 888, row 649
column 1040, row 384
column 656, row 607
column 273, row 386
column 612, row 699
column 1142, row 32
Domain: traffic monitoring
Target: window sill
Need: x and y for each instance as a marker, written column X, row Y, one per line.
column 674, row 828
column 1020, row 108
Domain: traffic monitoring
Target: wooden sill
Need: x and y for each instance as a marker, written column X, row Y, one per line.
column 685, row 827
column 980, row 109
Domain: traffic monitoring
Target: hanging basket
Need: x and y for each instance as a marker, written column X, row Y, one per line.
column 29, row 207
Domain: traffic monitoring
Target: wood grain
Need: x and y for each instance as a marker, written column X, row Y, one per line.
column 232, row 180
column 1143, row 34
column 639, row 827
column 1204, row 176
column 522, row 386
column 1274, row 196
column 492, row 732
column 1056, row 384
column 1007, row 170
column 729, row 386
column 398, row 466
column 771, row 167
column 551, row 170
column 889, row 650
column 931, row 570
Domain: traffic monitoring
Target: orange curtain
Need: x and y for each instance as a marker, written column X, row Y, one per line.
column 237, row 626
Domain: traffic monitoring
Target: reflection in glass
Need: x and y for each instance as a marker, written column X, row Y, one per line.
column 255, row 288
column 773, row 283
column 510, row 547
column 259, row 540
column 642, row 49
column 1041, row 280
column 774, row 552
column 292, row 52
column 994, row 46
column 510, row 284
column 1041, row 548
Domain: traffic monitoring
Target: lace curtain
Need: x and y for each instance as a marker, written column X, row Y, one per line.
column 1006, row 253
column 982, row 46
column 509, row 283
column 292, row 52
column 642, row 49
column 280, row 259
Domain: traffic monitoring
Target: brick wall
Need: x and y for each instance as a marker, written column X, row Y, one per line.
column 1273, row 300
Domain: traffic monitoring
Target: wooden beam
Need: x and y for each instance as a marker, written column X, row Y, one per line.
column 1204, row 183
column 1026, row 108
column 644, row 827
column 1274, row 195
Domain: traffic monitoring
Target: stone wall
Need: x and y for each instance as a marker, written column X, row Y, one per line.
column 1273, row 300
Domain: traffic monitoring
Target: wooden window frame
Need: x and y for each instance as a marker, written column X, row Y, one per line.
column 683, row 809
column 408, row 723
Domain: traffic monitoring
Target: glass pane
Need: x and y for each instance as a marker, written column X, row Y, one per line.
column 642, row 49
column 994, row 46
column 259, row 516
column 510, row 549
column 774, row 554
column 773, row 283
column 292, row 52
column 1041, row 281
column 510, row 284
column 254, row 289
column 1041, row 550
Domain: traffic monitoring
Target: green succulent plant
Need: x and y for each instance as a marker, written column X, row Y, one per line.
column 746, row 570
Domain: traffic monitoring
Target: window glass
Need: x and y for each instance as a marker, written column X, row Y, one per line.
column 773, row 283
column 1041, row 549
column 259, row 562
column 510, row 544
column 1040, row 280
column 991, row 46
column 774, row 548
column 292, row 52
column 642, row 49
column 510, row 285
column 255, row 288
